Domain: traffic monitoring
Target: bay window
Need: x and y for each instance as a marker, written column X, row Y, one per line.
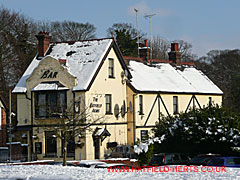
column 48, row 104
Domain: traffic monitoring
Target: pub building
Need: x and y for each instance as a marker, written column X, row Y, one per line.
column 126, row 94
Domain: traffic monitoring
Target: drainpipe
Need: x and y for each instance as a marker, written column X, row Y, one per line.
column 134, row 121
column 10, row 123
column 73, row 121
column 31, row 132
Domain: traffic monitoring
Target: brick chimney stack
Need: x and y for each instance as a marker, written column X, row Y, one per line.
column 144, row 51
column 174, row 54
column 43, row 42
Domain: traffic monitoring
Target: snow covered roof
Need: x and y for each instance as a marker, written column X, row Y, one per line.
column 101, row 132
column 82, row 61
column 163, row 77
column 21, row 85
column 47, row 86
column 83, row 58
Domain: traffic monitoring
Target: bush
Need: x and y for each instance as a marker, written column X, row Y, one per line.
column 145, row 155
column 212, row 129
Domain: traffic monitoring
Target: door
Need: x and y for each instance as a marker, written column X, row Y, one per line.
column 97, row 147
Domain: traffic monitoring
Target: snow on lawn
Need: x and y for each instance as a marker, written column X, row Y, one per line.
column 38, row 172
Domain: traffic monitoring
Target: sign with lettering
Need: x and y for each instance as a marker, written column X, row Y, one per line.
column 49, row 74
column 95, row 105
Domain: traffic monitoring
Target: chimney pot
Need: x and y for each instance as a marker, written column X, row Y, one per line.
column 174, row 54
column 174, row 47
column 144, row 51
column 62, row 61
column 146, row 43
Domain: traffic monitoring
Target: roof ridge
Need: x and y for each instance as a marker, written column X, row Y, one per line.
column 72, row 42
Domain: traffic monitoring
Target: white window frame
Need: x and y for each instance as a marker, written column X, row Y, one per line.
column 108, row 103
column 175, row 105
column 111, row 68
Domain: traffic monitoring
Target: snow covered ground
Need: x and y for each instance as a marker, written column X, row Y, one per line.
column 36, row 172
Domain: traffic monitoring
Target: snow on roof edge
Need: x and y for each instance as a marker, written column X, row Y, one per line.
column 21, row 85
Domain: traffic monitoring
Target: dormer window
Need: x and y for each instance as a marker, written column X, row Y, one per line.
column 110, row 68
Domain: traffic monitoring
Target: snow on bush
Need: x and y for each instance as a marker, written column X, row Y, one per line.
column 143, row 146
column 212, row 128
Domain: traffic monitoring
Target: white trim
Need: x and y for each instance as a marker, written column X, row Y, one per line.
column 49, row 86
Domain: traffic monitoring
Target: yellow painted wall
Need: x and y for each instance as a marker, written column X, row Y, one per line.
column 117, row 88
column 130, row 116
column 23, row 109
column 183, row 101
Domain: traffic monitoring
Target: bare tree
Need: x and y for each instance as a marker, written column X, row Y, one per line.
column 6, row 19
column 75, row 124
column 185, row 49
column 17, row 46
column 160, row 48
column 68, row 30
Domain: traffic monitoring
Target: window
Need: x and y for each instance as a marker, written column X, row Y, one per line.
column 141, row 105
column 108, row 98
column 49, row 103
column 169, row 158
column 50, row 144
column 235, row 161
column 175, row 104
column 217, row 161
column 144, row 135
column 110, row 68
column 175, row 157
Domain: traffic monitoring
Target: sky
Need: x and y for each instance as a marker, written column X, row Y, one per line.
column 206, row 24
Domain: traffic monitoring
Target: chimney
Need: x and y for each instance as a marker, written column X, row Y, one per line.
column 43, row 42
column 174, row 54
column 144, row 51
column 62, row 61
column 146, row 43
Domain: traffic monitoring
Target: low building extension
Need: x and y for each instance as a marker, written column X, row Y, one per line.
column 164, row 87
